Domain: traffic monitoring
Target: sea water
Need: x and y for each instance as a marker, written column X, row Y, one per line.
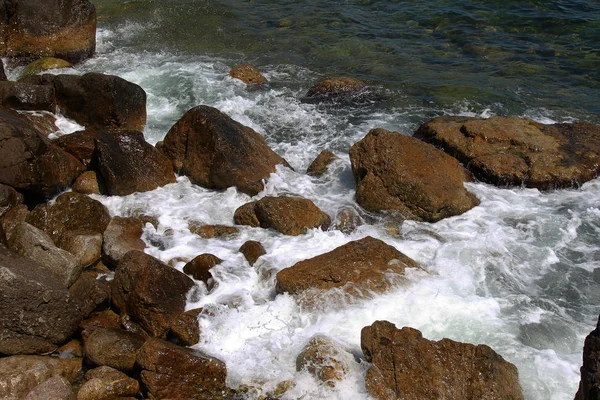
column 520, row 272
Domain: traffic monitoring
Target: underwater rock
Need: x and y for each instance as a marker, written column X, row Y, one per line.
column 325, row 359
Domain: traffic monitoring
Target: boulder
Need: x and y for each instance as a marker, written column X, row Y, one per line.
column 211, row 231
column 407, row 366
column 24, row 96
column 247, row 74
column 173, row 372
column 320, row 164
column 367, row 263
column 54, row 388
column 217, row 152
column 29, row 162
column 107, row 383
column 31, row 242
column 252, row 251
column 79, row 144
column 114, row 348
column 199, row 268
column 13, row 217
column 589, row 385
column 87, row 183
column 85, row 246
column 122, row 235
column 9, row 197
column 44, row 64
column 92, row 294
column 151, row 292
column 411, row 178
column 517, row 151
column 186, row 329
column 101, row 319
column 347, row 220
column 129, row 164
column 325, row 359
column 336, row 89
column 289, row 215
column 19, row 375
column 44, row 122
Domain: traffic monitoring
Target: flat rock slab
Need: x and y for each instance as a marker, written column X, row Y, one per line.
column 506, row 151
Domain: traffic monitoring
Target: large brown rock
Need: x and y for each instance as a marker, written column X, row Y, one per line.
column 114, row 348
column 90, row 293
column 186, row 329
column 107, row 383
column 367, row 263
column 57, row 28
column 19, row 375
column 252, row 251
column 173, row 372
column 9, row 198
column 200, row 267
column 288, row 215
column 11, row 219
column 398, row 173
column 151, row 292
column 54, row 388
column 589, row 385
column 517, row 151
column 407, row 366
column 217, row 152
column 80, row 144
column 320, row 164
column 24, row 96
column 122, row 235
column 129, row 164
column 29, row 162
column 247, row 74
column 38, row 313
column 337, row 88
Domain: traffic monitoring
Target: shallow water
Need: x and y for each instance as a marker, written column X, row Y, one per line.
column 518, row 273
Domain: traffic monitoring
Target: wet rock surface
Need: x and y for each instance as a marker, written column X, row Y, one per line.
column 247, row 74
column 23, row 96
column 114, row 348
column 199, row 268
column 320, row 164
column 122, row 235
column 54, row 388
column 324, row 358
column 252, row 251
column 107, row 383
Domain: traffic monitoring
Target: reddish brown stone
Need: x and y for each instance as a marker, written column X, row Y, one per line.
column 252, row 250
column 186, row 328
column 122, row 235
column 211, row 231
column 200, row 267
column 247, row 74
column 319, row 166
column 112, row 347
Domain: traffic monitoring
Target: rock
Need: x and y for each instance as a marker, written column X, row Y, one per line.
column 80, row 144
column 347, row 220
column 50, row 171
column 90, row 293
column 13, row 217
column 54, row 388
column 589, row 385
column 325, row 359
column 247, row 74
column 216, row 152
column 186, row 329
column 112, row 347
column 211, row 231
column 289, row 215
column 367, row 263
column 23, row 96
column 44, row 122
column 102, row 319
column 19, row 375
column 319, row 166
column 337, row 88
column 98, row 101
column 2, row 72
column 107, row 383
column 87, row 183
column 70, row 349
column 122, row 235
column 173, row 372
column 151, row 292
column 71, row 212
column 252, row 250
column 398, row 173
column 9, row 197
column 199, row 267
column 129, row 164
column 517, row 151
column 86, row 247
column 44, row 64
column 407, row 366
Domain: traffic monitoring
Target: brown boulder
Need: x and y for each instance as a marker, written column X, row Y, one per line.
column 129, row 164
column 407, row 366
column 252, row 251
column 112, row 347
column 44, row 64
column 247, row 74
column 31, row 163
column 186, row 329
column 55, row 28
column 211, row 231
column 337, row 88
column 44, row 122
column 151, row 292
column 105, row 383
column 217, row 152
column 101, row 319
column 9, row 197
column 320, row 164
column 79, row 144
column 517, row 151
column 325, row 359
column 122, row 235
column 54, row 388
column 367, row 263
column 85, row 246
column 173, row 372
column 92, row 294
column 347, row 220
column 19, row 375
column 87, row 183
column 589, row 385
column 13, row 217
column 23, row 96
column 398, row 173
column 199, row 268
column 289, row 215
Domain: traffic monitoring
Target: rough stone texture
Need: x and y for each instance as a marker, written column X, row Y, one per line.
column 107, row 383
column 9, row 197
column 65, row 29
column 289, row 215
column 23, row 96
column 87, row 183
column 112, row 347
column 71, row 212
column 91, row 294
column 252, row 250
column 44, row 64
column 44, row 122
column 200, row 266
column 407, row 366
column 347, row 220
column 589, row 385
column 247, row 74
column 211, row 231
column 186, row 329
column 85, row 246
column 98, row 101
column 13, row 217
column 173, row 372
column 129, row 164
column 325, row 359
column 80, row 144
column 54, row 388
column 398, row 173
column 336, row 88
column 122, row 235
column 320, row 164
column 31, row 242
column 366, row 263
column 30, row 162
column 517, row 151
column 217, row 152
column 19, row 375
column 151, row 292
column 102, row 319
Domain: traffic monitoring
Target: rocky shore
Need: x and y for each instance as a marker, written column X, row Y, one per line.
column 86, row 314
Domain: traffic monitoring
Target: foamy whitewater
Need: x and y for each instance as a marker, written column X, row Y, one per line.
column 518, row 273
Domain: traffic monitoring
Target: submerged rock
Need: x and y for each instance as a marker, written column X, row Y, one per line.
column 407, row 366
column 216, row 152
column 247, row 74
column 589, row 385
column 324, row 358
column 336, row 89
column 517, row 151
column 401, row 174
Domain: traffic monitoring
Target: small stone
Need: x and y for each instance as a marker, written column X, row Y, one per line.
column 325, row 359
column 211, row 231
column 247, row 74
column 320, row 165
column 252, row 250
column 87, row 183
